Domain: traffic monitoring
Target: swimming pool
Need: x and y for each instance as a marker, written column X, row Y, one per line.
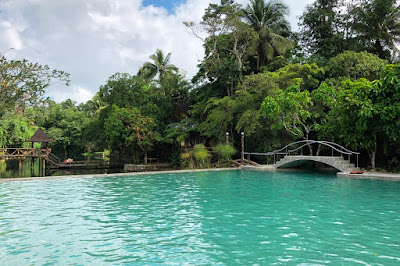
column 225, row 217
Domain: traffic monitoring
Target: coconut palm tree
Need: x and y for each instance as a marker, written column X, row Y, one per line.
column 268, row 20
column 161, row 65
column 94, row 106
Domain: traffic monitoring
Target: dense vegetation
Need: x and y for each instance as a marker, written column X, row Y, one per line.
column 338, row 79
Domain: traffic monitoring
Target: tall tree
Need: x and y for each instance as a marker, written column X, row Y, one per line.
column 127, row 129
column 161, row 65
column 23, row 82
column 64, row 122
column 268, row 20
column 378, row 26
column 321, row 32
column 363, row 113
column 93, row 106
column 229, row 46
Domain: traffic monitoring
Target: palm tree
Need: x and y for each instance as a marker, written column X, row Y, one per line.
column 94, row 106
column 160, row 66
column 268, row 20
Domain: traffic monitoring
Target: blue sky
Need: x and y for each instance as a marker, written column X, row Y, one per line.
column 167, row 4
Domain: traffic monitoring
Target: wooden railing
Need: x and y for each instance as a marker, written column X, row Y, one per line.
column 93, row 162
column 17, row 153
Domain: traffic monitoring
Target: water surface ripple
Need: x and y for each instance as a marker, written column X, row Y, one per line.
column 202, row 218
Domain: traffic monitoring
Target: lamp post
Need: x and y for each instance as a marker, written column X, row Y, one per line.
column 242, row 146
column 227, row 138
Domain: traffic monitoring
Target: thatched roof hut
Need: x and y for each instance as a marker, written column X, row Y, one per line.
column 39, row 136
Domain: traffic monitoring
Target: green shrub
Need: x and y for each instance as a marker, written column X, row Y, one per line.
column 186, row 160
column 201, row 156
column 225, row 151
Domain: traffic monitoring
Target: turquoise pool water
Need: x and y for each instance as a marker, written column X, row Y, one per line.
column 202, row 218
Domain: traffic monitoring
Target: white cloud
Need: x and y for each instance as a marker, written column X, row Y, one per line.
column 11, row 37
column 94, row 39
column 73, row 92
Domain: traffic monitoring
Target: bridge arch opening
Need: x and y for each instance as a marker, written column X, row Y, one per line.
column 309, row 165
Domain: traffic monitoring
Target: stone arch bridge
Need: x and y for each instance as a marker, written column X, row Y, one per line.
column 292, row 155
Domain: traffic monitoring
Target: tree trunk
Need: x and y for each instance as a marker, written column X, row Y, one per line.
column 311, row 149
column 378, row 48
column 309, row 145
column 319, row 149
column 372, row 153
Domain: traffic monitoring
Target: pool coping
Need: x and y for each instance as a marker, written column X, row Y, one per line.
column 13, row 179
column 365, row 175
column 371, row 175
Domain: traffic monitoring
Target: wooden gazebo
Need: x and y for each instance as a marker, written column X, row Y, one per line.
column 42, row 153
column 40, row 137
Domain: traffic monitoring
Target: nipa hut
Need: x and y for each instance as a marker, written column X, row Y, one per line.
column 40, row 137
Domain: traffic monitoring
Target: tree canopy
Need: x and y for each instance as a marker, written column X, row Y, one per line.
column 24, row 83
column 268, row 19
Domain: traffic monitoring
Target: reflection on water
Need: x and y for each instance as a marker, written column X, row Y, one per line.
column 9, row 169
column 84, row 171
column 3, row 166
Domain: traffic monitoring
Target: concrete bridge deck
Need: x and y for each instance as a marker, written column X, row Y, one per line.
column 294, row 161
column 337, row 162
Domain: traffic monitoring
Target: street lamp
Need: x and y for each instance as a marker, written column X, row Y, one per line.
column 242, row 145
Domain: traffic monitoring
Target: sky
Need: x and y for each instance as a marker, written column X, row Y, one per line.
column 94, row 39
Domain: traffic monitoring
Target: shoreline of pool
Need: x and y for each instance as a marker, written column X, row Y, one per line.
column 5, row 179
column 365, row 175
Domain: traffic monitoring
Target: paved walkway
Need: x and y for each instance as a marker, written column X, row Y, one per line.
column 365, row 175
column 372, row 175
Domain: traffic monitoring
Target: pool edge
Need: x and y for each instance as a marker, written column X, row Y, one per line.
column 13, row 179
column 371, row 175
column 366, row 175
